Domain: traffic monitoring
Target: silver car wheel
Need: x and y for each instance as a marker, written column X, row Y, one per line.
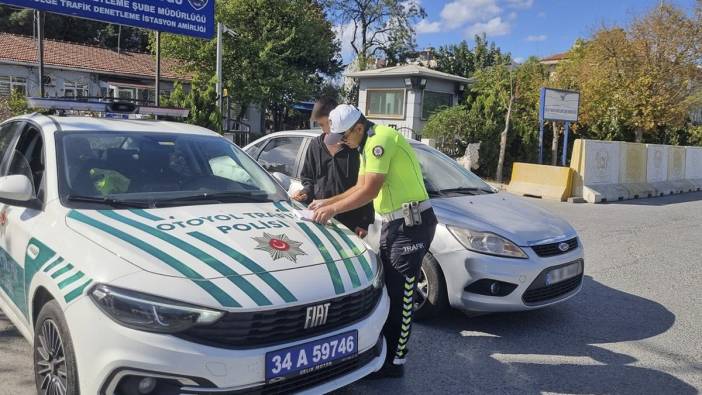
column 421, row 290
column 51, row 366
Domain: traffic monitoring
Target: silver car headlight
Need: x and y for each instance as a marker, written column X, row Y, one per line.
column 486, row 243
column 379, row 277
column 149, row 313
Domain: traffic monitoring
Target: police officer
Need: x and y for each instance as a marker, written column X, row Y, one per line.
column 390, row 176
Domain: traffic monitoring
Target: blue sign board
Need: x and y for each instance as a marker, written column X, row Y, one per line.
column 187, row 17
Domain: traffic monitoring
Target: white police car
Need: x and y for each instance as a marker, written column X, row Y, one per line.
column 150, row 257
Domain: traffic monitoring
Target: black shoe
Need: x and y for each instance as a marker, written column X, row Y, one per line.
column 388, row 371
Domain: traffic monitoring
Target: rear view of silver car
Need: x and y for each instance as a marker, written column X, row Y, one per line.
column 493, row 252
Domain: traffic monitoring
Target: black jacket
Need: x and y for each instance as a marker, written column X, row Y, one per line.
column 324, row 176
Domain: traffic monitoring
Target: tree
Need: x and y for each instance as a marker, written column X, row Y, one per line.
column 13, row 105
column 460, row 59
column 380, row 27
column 201, row 101
column 639, row 80
column 279, row 54
column 501, row 100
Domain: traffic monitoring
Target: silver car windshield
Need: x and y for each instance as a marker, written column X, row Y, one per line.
column 157, row 169
column 443, row 176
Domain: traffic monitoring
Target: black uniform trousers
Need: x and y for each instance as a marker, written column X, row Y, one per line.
column 402, row 249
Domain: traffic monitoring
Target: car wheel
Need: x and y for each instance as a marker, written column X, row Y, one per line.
column 55, row 369
column 430, row 296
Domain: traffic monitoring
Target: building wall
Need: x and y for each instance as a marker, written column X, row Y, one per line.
column 412, row 118
column 59, row 78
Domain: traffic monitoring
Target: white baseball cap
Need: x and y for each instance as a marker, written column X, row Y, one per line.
column 341, row 119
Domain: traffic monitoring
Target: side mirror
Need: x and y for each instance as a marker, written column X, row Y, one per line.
column 283, row 180
column 16, row 187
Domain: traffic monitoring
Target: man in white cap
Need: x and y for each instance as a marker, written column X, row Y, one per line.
column 391, row 177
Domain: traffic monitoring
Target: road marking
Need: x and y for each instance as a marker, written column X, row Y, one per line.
column 542, row 359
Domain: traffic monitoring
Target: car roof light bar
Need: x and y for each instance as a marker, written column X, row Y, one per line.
column 111, row 107
column 163, row 111
column 67, row 105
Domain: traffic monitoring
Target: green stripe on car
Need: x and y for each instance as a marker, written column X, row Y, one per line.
column 70, row 280
column 53, row 265
column 37, row 255
column 206, row 258
column 344, row 255
column 356, row 251
column 248, row 263
column 217, row 293
column 331, row 265
column 67, row 268
column 76, row 292
column 280, row 206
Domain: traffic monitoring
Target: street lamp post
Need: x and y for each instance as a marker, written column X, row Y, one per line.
column 221, row 30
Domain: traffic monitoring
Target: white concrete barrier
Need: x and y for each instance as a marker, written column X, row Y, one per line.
column 657, row 169
column 676, row 170
column 612, row 170
column 632, row 170
column 596, row 164
column 693, row 166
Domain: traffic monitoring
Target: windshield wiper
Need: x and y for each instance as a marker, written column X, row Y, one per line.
column 465, row 190
column 220, row 197
column 108, row 201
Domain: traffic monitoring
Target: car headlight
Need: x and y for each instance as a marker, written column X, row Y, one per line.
column 149, row 313
column 379, row 278
column 486, row 243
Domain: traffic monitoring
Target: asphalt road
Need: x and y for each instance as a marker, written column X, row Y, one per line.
column 634, row 329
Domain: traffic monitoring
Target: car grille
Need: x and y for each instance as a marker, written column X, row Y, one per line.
column 551, row 249
column 268, row 327
column 550, row 292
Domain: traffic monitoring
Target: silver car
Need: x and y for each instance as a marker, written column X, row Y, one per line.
column 492, row 252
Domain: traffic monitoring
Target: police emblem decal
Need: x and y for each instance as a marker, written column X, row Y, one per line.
column 378, row 151
column 198, row 4
column 279, row 246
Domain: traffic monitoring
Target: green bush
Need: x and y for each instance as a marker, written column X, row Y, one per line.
column 201, row 100
column 455, row 127
column 13, row 105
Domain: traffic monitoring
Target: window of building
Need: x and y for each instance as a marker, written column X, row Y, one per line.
column 75, row 89
column 385, row 103
column 126, row 93
column 9, row 84
column 435, row 101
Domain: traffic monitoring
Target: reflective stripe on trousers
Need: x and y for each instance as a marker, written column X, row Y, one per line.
column 401, row 251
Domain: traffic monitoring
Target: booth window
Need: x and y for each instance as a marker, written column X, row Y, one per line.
column 435, row 101
column 9, row 84
column 385, row 103
column 75, row 89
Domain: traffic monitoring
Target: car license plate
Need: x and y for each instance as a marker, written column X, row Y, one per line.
column 564, row 273
column 312, row 356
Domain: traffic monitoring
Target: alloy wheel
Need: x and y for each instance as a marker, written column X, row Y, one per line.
column 421, row 290
column 51, row 365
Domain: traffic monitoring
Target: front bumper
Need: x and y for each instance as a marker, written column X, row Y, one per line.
column 106, row 352
column 462, row 268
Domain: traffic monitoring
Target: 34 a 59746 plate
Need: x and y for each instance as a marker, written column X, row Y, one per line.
column 311, row 356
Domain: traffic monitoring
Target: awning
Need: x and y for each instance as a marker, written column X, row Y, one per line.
column 303, row 106
column 138, row 85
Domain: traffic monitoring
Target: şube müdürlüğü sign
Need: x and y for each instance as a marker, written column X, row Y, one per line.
column 186, row 17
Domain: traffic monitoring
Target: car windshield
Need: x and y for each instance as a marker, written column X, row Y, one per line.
column 131, row 169
column 443, row 176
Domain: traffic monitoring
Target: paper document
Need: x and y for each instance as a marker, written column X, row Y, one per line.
column 304, row 214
